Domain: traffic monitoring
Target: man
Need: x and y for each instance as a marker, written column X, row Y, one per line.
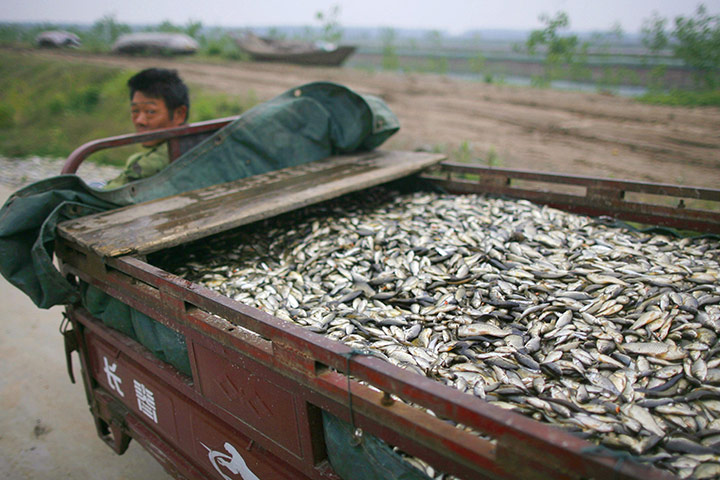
column 158, row 99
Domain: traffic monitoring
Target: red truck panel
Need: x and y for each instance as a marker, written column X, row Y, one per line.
column 181, row 424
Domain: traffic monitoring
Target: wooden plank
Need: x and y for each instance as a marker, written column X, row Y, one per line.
column 167, row 222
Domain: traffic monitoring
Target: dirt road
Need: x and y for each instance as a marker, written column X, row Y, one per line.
column 568, row 132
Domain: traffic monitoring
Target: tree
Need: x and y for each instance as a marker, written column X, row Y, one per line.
column 390, row 60
column 698, row 45
column 331, row 31
column 694, row 40
column 654, row 36
column 437, row 62
column 104, row 32
column 655, row 39
column 612, row 75
column 477, row 63
column 559, row 50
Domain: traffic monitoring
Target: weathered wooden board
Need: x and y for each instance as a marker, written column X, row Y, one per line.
column 167, row 222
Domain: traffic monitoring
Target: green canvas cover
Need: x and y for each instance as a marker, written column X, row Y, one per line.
column 371, row 458
column 165, row 343
column 302, row 125
column 27, row 235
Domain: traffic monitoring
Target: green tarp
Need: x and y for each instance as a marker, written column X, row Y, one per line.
column 302, row 125
column 370, row 458
column 164, row 342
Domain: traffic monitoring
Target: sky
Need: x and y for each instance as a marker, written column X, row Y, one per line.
column 451, row 16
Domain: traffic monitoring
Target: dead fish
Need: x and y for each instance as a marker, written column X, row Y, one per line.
column 482, row 329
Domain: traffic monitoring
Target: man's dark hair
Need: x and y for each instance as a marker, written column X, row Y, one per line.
column 161, row 83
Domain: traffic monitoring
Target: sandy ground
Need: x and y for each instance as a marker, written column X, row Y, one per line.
column 527, row 128
column 46, row 430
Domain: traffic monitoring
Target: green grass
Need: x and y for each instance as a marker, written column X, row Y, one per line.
column 49, row 108
column 683, row 98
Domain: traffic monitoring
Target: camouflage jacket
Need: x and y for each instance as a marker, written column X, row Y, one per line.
column 141, row 165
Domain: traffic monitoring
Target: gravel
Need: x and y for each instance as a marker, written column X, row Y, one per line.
column 18, row 172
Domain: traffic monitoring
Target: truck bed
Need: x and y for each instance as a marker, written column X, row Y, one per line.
column 260, row 386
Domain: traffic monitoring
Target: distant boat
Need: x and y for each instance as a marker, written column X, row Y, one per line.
column 263, row 49
column 155, row 43
column 57, row 38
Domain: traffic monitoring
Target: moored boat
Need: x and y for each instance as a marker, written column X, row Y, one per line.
column 155, row 43
column 263, row 49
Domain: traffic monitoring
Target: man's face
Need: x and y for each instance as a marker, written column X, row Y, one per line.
column 150, row 113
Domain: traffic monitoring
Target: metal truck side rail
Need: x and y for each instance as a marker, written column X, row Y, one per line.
column 676, row 206
column 182, row 138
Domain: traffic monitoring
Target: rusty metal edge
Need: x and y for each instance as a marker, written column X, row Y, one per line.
column 75, row 159
column 603, row 197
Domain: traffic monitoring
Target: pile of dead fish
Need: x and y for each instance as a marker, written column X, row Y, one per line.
column 606, row 332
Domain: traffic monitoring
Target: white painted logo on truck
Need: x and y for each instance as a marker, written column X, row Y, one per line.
column 231, row 462
column 145, row 400
column 113, row 378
